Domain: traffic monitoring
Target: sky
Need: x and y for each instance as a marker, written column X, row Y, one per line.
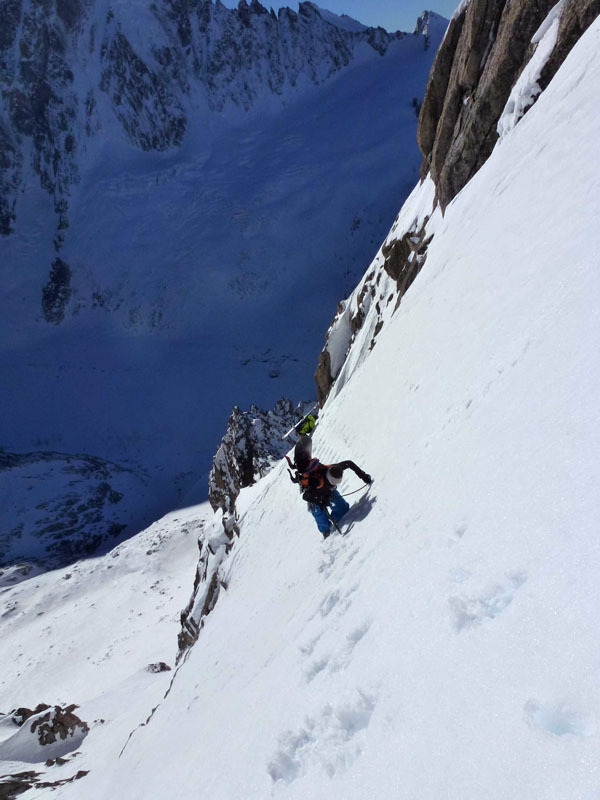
column 390, row 14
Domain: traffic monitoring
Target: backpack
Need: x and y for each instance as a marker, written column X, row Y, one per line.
column 312, row 480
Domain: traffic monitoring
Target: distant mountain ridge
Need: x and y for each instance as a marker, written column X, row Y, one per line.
column 67, row 67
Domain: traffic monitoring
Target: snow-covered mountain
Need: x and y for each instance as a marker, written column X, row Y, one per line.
column 446, row 645
column 187, row 190
column 69, row 67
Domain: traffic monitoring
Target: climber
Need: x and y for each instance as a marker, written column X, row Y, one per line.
column 318, row 484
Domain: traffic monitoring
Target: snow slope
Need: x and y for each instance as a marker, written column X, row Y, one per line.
column 447, row 646
column 84, row 632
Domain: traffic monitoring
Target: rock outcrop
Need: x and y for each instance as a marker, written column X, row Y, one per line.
column 51, row 724
column 251, row 445
column 471, row 79
column 399, row 262
column 404, row 257
column 214, row 545
column 486, row 46
column 46, row 732
column 17, row 783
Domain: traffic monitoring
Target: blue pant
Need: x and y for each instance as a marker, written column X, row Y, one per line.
column 338, row 508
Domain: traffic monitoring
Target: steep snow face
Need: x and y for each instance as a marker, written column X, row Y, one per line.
column 405, row 249
column 447, row 645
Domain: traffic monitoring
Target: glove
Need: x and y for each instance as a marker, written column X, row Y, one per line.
column 366, row 478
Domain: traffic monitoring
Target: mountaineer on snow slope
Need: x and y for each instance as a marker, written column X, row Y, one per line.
column 318, row 483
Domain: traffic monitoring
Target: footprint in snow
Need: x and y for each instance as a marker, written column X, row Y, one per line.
column 457, row 534
column 315, row 668
column 467, row 612
column 559, row 720
column 329, row 742
column 329, row 603
column 341, row 659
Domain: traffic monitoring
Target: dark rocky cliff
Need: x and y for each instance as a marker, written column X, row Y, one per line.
column 485, row 49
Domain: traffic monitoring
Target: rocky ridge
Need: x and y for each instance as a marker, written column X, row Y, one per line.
column 253, row 443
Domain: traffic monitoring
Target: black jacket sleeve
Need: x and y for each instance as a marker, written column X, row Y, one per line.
column 364, row 476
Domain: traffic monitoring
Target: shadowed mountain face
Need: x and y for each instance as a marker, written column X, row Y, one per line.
column 187, row 191
column 69, row 69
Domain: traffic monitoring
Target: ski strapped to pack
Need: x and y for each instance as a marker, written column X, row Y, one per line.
column 302, row 423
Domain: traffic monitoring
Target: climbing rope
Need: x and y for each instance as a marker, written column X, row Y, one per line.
column 360, row 488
